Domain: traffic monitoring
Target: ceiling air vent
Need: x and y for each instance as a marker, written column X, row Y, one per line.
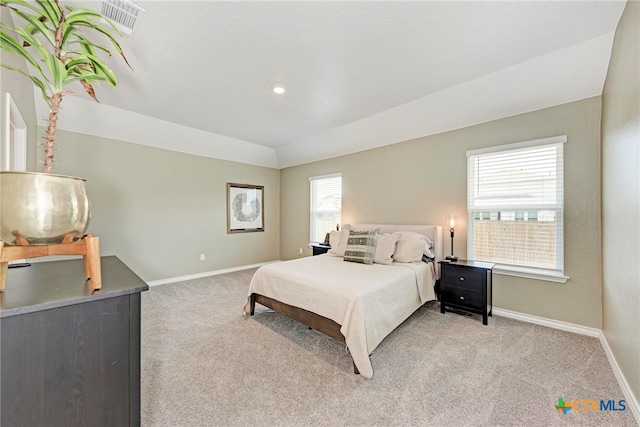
column 124, row 14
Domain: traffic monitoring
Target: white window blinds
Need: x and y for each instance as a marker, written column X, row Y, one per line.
column 326, row 205
column 515, row 202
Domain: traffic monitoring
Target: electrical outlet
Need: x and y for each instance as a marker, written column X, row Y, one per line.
column 202, row 257
column 300, row 252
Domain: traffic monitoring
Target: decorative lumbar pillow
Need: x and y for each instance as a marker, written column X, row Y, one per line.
column 338, row 242
column 410, row 247
column 385, row 248
column 361, row 247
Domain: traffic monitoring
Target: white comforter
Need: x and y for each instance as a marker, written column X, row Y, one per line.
column 369, row 301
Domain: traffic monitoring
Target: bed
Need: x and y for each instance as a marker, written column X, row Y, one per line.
column 357, row 304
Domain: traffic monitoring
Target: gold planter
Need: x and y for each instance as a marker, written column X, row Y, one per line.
column 39, row 208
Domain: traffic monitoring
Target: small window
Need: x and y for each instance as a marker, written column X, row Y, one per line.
column 326, row 205
column 515, row 202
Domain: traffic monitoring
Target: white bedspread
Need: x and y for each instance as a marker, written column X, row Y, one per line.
column 369, row 301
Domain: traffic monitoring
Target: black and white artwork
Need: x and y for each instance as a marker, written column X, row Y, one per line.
column 245, row 208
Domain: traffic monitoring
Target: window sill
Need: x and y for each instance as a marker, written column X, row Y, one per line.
column 530, row 273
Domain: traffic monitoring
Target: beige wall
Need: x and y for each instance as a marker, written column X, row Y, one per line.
column 420, row 181
column 158, row 210
column 621, row 198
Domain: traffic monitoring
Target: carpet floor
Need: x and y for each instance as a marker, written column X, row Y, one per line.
column 205, row 364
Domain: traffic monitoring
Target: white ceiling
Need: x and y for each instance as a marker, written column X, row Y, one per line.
column 358, row 74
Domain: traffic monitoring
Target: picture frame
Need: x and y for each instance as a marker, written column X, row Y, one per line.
column 245, row 208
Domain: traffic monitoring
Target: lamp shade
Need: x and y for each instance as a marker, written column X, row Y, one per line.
column 452, row 220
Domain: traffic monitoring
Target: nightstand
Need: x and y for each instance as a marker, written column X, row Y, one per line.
column 319, row 248
column 466, row 285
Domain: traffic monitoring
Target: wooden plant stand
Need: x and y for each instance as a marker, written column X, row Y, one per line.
column 88, row 246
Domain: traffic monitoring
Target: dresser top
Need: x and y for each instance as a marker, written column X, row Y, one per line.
column 465, row 263
column 47, row 285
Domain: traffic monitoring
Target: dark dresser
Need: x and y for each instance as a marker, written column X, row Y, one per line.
column 466, row 285
column 320, row 248
column 70, row 355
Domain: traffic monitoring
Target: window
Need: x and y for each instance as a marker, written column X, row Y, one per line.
column 515, row 204
column 326, row 205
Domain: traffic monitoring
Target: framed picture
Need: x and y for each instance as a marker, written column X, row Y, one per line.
column 245, row 208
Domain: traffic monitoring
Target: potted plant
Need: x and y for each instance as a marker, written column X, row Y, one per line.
column 55, row 42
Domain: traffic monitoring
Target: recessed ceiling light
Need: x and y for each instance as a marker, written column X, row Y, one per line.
column 279, row 89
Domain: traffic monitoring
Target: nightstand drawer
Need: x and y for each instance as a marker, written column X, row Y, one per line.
column 463, row 297
column 464, row 278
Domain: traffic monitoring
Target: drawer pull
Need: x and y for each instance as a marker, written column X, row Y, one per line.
column 461, row 297
column 462, row 279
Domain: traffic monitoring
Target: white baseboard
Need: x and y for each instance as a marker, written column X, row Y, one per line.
column 205, row 274
column 550, row 323
column 631, row 400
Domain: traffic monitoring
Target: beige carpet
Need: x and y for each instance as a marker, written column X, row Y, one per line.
column 205, row 364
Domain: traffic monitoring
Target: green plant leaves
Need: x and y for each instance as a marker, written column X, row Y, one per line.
column 20, row 3
column 69, row 58
column 66, row 56
column 9, row 44
column 36, row 81
column 36, row 26
column 51, row 10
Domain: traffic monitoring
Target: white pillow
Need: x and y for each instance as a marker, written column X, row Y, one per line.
column 334, row 238
column 410, row 246
column 338, row 241
column 385, row 248
column 428, row 249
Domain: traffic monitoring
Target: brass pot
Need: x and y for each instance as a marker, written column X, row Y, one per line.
column 41, row 208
